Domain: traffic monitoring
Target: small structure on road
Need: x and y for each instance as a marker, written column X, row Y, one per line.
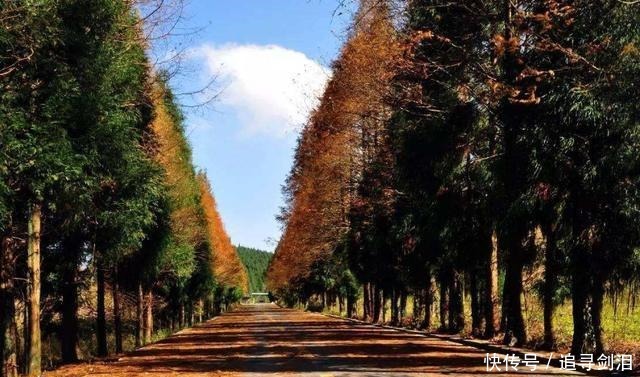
column 256, row 298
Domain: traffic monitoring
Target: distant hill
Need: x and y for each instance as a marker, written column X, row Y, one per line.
column 256, row 262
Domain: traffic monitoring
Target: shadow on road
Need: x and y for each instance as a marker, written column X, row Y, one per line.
column 266, row 338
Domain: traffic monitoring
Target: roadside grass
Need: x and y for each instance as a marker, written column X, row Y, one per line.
column 87, row 342
column 621, row 323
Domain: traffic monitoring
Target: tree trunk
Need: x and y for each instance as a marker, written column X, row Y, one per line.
column 579, row 303
column 428, row 303
column 491, row 291
column 366, row 303
column 579, row 261
column 456, row 303
column 384, row 307
column 512, row 306
column 514, row 329
column 394, row 306
column 596, row 313
column 182, row 314
column 139, row 316
column 550, row 276
column 101, row 320
column 444, row 304
column 403, row 305
column 69, row 333
column 474, row 290
column 148, row 328
column 8, row 328
column 377, row 304
column 418, row 303
column 23, row 355
column 34, row 352
column 117, row 313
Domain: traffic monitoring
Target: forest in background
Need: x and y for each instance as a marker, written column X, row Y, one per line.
column 479, row 163
column 256, row 262
column 110, row 237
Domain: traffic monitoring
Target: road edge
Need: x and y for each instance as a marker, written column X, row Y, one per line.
column 480, row 344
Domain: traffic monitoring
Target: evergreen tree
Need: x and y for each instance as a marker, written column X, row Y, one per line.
column 256, row 263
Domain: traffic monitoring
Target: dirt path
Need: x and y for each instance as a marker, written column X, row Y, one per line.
column 262, row 340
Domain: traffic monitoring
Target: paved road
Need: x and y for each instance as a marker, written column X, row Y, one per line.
column 265, row 340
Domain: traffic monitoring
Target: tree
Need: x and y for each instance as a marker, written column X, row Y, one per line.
column 341, row 137
column 38, row 152
column 226, row 265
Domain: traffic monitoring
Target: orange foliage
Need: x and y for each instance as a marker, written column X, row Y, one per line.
column 227, row 267
column 174, row 155
column 334, row 146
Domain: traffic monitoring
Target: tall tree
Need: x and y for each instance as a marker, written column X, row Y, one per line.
column 225, row 262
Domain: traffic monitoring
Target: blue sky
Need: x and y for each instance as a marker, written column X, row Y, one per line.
column 270, row 58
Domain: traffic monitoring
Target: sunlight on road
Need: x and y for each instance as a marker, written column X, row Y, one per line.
column 264, row 339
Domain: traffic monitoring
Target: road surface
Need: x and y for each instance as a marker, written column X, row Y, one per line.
column 265, row 340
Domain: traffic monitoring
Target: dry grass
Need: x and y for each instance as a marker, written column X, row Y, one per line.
column 621, row 324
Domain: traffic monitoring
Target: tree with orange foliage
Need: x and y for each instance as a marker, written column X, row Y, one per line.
column 339, row 141
column 227, row 268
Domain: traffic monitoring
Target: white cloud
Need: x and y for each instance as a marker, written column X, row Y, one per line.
column 272, row 89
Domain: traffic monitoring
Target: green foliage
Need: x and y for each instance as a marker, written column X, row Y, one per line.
column 90, row 132
column 256, row 263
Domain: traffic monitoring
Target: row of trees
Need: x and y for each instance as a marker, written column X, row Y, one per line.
column 98, row 190
column 462, row 144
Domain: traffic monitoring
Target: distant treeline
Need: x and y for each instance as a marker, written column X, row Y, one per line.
column 256, row 262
